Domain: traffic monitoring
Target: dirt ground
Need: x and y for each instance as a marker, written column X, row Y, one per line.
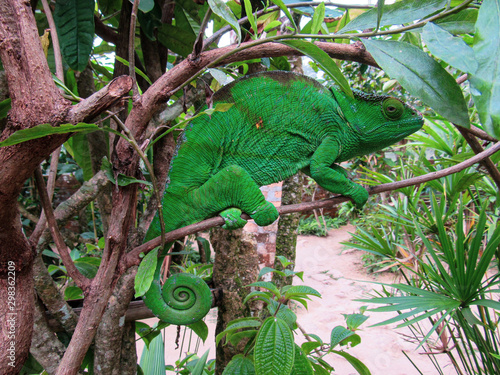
column 338, row 274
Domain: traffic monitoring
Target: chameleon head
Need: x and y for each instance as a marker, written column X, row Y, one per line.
column 378, row 120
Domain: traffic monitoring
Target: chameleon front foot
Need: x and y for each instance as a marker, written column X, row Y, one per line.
column 232, row 217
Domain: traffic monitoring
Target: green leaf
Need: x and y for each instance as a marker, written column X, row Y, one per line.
column 200, row 328
column 145, row 5
column 309, row 346
column 323, row 60
column 44, row 130
column 237, row 324
column 72, row 293
column 74, row 21
column 251, row 18
column 267, row 285
column 459, row 23
column 301, row 290
column 353, row 321
column 285, row 10
column 235, row 338
column 5, row 106
column 88, row 266
column 284, row 313
column 81, row 154
column 422, row 76
column 450, row 49
column 356, row 363
column 318, row 17
column 222, row 10
column 265, row 270
column 301, row 365
column 136, row 69
column 485, row 83
column 200, row 365
column 339, row 334
column 239, row 365
column 380, row 12
column 274, row 348
column 153, row 357
column 397, row 13
column 176, row 39
column 145, row 273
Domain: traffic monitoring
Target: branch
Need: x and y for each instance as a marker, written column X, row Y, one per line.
column 133, row 258
column 79, row 279
column 102, row 100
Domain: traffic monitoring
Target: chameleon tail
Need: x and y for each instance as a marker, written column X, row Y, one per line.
column 184, row 298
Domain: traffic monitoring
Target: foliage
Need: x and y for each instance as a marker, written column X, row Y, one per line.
column 415, row 42
column 270, row 341
column 310, row 225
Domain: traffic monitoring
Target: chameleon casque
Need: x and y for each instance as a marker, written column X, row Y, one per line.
column 279, row 123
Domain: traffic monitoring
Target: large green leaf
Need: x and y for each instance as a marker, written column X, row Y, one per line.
column 323, row 60
column 222, row 10
column 179, row 40
column 397, row 13
column 145, row 273
column 301, row 365
column 239, row 365
column 422, row 76
column 153, row 357
column 450, row 49
column 75, row 27
column 44, row 130
column 274, row 348
column 80, row 151
column 459, row 23
column 486, row 81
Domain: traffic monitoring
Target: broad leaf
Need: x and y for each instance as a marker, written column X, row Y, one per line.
column 200, row 328
column 459, row 23
column 153, row 357
column 179, row 40
column 80, row 151
column 397, row 13
column 339, row 334
column 450, row 49
column 200, row 365
column 318, row 17
column 323, row 60
column 72, row 293
column 301, row 365
column 486, row 81
column 145, row 273
column 74, row 20
column 145, row 5
column 239, row 365
column 222, row 10
column 274, row 348
column 422, row 76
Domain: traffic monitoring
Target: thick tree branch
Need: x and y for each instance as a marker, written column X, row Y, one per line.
column 102, row 100
column 133, row 258
column 73, row 272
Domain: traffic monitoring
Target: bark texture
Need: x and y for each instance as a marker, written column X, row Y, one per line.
column 236, row 265
column 286, row 236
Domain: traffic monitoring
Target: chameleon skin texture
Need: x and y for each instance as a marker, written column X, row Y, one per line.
column 279, row 123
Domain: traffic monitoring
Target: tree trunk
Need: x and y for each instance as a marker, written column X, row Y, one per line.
column 236, row 265
column 286, row 236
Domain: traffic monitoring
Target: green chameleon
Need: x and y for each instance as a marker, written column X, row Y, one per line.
column 279, row 123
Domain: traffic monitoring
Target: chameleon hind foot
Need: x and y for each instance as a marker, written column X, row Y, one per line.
column 266, row 214
column 232, row 217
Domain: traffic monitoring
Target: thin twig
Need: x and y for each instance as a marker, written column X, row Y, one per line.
column 149, row 167
column 133, row 257
column 131, row 48
column 198, row 44
column 80, row 280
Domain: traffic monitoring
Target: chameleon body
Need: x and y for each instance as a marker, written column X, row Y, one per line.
column 279, row 123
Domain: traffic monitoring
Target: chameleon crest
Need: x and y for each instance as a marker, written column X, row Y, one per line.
column 279, row 123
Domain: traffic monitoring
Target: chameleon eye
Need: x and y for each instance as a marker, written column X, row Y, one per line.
column 392, row 108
